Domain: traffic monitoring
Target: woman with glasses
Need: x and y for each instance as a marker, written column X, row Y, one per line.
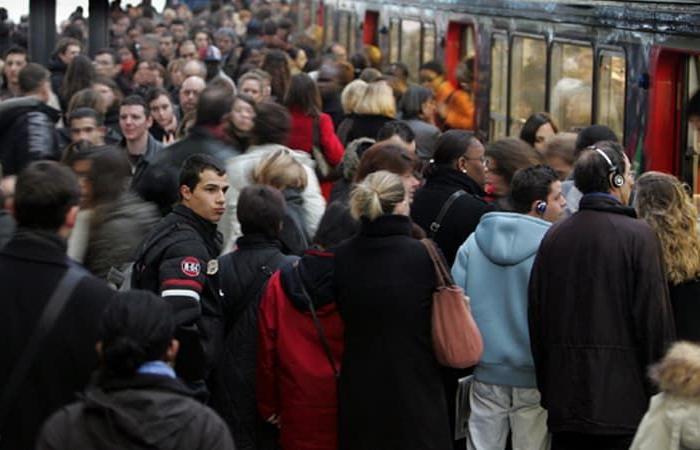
column 457, row 165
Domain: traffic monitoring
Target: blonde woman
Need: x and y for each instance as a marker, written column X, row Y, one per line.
column 349, row 98
column 376, row 107
column 283, row 172
column 390, row 392
column 662, row 201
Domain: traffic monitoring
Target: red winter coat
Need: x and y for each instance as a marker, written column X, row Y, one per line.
column 301, row 138
column 295, row 380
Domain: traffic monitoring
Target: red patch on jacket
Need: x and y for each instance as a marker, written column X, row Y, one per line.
column 190, row 266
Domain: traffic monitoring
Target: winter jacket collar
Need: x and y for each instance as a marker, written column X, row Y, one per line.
column 315, row 271
column 604, row 202
column 257, row 241
column 451, row 177
column 37, row 245
column 386, row 225
column 206, row 229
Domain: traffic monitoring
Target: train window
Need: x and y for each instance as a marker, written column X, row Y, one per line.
column 329, row 35
column 410, row 43
column 611, row 92
column 467, row 48
column 394, row 37
column 428, row 43
column 693, row 146
column 527, row 80
column 571, row 91
column 499, row 87
column 344, row 29
column 352, row 32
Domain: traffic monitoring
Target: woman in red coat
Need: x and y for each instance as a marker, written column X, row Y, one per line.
column 304, row 103
column 296, row 384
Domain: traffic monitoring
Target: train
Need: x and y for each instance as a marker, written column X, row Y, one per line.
column 630, row 65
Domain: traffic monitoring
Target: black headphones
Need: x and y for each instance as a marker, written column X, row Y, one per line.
column 615, row 178
column 541, row 207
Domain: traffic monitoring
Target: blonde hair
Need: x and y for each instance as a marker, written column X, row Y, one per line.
column 281, row 170
column 352, row 94
column 376, row 195
column 378, row 99
column 661, row 200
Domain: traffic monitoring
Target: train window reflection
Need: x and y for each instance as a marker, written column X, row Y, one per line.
column 394, row 31
column 428, row 43
column 527, row 89
column 611, row 92
column 499, row 87
column 410, row 45
column 571, row 89
column 343, row 29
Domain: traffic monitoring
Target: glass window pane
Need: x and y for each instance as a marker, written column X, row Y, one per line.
column 499, row 87
column 467, row 49
column 394, row 41
column 352, row 34
column 428, row 43
column 572, row 81
column 611, row 92
column 410, row 45
column 343, row 26
column 527, row 89
column 330, row 26
column 693, row 150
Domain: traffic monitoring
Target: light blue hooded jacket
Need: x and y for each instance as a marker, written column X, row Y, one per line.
column 493, row 267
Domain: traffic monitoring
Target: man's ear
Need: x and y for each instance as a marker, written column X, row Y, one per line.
column 149, row 121
column 71, row 217
column 185, row 192
column 171, row 351
column 98, row 349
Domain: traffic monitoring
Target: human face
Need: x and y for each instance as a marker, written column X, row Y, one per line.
column 561, row 167
column 428, row 109
column 473, row 162
column 189, row 93
column 148, row 52
column 81, row 168
column 427, row 77
column 166, row 46
column 188, row 51
column 225, row 44
column 410, row 184
column 341, row 55
column 178, row 31
column 301, row 59
column 543, row 132
column 162, row 111
column 133, row 122
column 71, row 52
column 252, row 88
column 143, row 75
column 207, row 199
column 493, row 178
column 106, row 93
column 242, row 116
column 105, row 66
column 13, row 64
column 556, row 203
column 86, row 129
column 201, row 40
column 125, row 54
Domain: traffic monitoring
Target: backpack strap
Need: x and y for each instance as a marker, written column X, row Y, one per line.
column 435, row 225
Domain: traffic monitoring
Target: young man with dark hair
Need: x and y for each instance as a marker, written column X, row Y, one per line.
column 106, row 62
column 178, row 261
column 32, row 265
column 398, row 132
column 16, row 59
column 599, row 311
column 134, row 121
column 66, row 49
column 27, row 124
column 86, row 124
column 493, row 268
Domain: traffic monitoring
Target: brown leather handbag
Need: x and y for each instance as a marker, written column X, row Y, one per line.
column 456, row 337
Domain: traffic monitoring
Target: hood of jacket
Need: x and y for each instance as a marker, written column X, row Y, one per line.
column 315, row 271
column 147, row 410
column 677, row 373
column 509, row 238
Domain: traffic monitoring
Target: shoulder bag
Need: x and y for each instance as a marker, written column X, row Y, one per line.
column 435, row 225
column 324, row 170
column 456, row 337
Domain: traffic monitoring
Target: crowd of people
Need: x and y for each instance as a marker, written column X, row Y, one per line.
column 212, row 232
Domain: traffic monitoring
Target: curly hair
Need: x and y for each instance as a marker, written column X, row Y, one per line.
column 662, row 201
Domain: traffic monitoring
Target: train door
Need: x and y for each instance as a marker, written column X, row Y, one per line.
column 459, row 47
column 690, row 159
column 369, row 28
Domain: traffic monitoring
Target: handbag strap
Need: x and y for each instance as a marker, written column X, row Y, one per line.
column 47, row 320
column 315, row 133
column 317, row 323
column 435, row 226
column 444, row 277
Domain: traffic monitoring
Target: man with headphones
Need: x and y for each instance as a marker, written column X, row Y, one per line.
column 493, row 268
column 599, row 311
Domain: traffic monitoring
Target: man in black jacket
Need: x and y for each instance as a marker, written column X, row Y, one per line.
column 31, row 266
column 178, row 261
column 599, row 311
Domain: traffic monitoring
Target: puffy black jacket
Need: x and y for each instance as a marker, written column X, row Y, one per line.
column 177, row 260
column 243, row 275
column 142, row 412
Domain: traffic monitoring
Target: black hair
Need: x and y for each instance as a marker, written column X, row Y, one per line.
column 16, row 50
column 399, row 67
column 260, row 210
column 411, row 103
column 452, row 145
column 592, row 171
column 396, row 127
column 434, row 66
column 136, row 327
column 533, row 123
column 337, row 225
column 109, row 172
column 272, row 123
column 32, row 76
column 531, row 184
column 155, row 92
column 693, row 106
column 83, row 113
column 110, row 52
column 137, row 100
column 269, row 27
column 213, row 104
column 592, row 134
column 192, row 168
column 511, row 154
column 44, row 194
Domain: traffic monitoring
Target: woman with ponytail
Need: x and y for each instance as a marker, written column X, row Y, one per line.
column 135, row 401
column 390, row 391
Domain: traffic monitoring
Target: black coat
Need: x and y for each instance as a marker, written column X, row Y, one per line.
column 461, row 218
column 31, row 265
column 363, row 125
column 145, row 411
column 243, row 274
column 685, row 300
column 599, row 316
column 159, row 183
column 391, row 393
